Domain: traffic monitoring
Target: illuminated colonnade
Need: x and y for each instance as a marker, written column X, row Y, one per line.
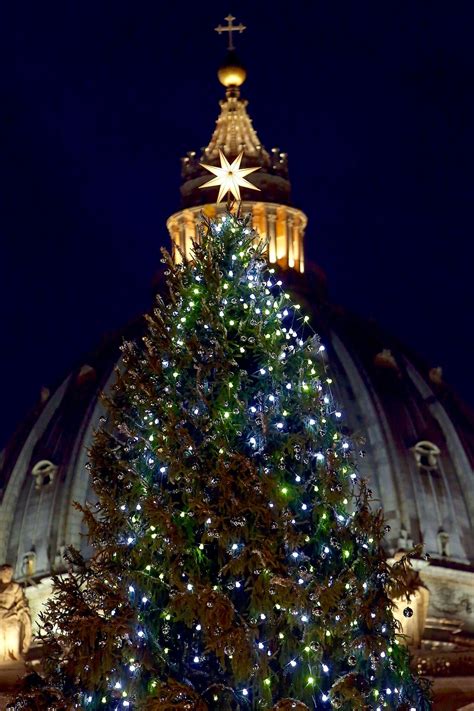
column 282, row 225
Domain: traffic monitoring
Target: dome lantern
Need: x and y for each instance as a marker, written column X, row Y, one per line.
column 273, row 214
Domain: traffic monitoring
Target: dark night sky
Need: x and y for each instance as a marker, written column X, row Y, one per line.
column 373, row 101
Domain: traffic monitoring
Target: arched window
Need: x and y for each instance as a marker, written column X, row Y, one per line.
column 44, row 472
column 426, row 455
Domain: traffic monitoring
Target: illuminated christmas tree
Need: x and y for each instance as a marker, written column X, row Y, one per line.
column 238, row 563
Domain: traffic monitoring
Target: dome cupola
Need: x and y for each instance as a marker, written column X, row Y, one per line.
column 273, row 214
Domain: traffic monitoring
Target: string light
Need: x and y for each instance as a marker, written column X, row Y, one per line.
column 281, row 420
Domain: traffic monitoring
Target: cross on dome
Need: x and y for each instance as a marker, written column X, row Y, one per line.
column 230, row 28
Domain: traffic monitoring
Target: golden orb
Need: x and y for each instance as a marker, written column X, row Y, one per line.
column 231, row 72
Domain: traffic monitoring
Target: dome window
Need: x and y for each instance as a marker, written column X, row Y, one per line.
column 426, row 456
column 44, row 473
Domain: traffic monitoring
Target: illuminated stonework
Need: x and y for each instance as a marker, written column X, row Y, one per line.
column 234, row 131
column 282, row 225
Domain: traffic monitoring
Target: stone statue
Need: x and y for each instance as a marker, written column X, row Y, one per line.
column 15, row 620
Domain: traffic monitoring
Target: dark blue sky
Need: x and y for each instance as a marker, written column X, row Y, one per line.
column 373, row 101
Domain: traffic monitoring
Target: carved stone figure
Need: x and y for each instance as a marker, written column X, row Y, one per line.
column 15, row 620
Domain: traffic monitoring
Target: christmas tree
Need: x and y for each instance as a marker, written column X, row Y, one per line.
column 238, row 563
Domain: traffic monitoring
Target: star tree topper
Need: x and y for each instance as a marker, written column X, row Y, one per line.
column 230, row 177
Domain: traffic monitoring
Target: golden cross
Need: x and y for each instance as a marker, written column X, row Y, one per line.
column 230, row 28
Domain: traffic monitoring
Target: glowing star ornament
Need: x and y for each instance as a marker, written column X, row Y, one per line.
column 230, row 177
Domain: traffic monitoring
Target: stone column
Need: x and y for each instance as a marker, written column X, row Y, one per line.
column 281, row 237
column 290, row 241
column 189, row 233
column 271, row 221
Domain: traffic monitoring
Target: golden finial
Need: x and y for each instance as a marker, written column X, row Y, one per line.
column 231, row 73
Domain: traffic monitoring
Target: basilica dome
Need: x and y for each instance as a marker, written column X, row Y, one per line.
column 413, row 437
